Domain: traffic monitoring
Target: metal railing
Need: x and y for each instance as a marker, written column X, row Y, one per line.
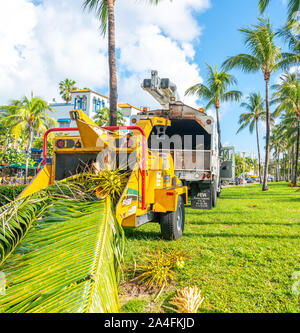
column 189, row 160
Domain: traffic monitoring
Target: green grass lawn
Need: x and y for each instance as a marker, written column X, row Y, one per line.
column 242, row 254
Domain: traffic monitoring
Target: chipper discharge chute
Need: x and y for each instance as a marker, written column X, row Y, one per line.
column 61, row 241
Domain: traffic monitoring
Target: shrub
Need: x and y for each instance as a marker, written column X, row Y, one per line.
column 9, row 193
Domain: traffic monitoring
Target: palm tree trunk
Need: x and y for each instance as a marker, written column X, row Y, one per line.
column 289, row 164
column 28, row 148
column 268, row 121
column 218, row 129
column 284, row 165
column 297, row 154
column 258, row 151
column 277, row 165
column 113, row 82
column 293, row 163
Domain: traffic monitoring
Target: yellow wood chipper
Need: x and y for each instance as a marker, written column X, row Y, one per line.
column 153, row 192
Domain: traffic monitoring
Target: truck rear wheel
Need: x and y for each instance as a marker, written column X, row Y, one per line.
column 172, row 223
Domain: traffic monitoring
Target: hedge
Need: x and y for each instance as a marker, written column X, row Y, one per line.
column 9, row 193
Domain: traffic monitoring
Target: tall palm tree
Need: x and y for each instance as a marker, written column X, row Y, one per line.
column 256, row 112
column 216, row 91
column 293, row 7
column 27, row 117
column 287, row 96
column 265, row 56
column 105, row 11
column 65, row 88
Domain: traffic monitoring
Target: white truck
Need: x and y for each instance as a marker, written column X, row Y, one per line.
column 193, row 142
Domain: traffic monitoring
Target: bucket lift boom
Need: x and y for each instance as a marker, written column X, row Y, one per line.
column 162, row 90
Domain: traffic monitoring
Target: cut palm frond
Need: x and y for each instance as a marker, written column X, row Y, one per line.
column 16, row 219
column 160, row 267
column 188, row 300
column 67, row 262
column 61, row 249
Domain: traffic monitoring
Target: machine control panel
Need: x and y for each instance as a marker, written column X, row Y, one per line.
column 68, row 143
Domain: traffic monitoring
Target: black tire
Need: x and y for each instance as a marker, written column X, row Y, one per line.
column 214, row 194
column 172, row 223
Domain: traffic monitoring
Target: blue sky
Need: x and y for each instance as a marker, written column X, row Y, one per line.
column 222, row 39
column 45, row 41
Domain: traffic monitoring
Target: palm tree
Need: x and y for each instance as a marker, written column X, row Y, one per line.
column 264, row 56
column 65, row 88
column 102, row 118
column 27, row 117
column 293, row 7
column 216, row 92
column 292, row 39
column 256, row 112
column 287, row 96
column 105, row 11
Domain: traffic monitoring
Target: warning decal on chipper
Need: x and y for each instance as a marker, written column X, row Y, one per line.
column 127, row 201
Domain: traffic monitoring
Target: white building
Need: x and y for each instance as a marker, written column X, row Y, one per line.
column 90, row 102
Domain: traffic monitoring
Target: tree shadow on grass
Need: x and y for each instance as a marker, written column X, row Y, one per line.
column 138, row 234
column 256, row 195
column 228, row 235
column 133, row 233
column 286, row 224
column 289, row 199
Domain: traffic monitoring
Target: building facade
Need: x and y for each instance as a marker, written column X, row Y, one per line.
column 90, row 102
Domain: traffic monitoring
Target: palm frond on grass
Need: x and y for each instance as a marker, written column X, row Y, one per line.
column 69, row 260
column 16, row 219
column 160, row 267
column 188, row 300
column 18, row 216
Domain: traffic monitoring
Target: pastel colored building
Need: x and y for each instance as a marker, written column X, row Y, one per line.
column 90, row 102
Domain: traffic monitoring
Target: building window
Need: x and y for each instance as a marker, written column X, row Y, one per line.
column 64, row 124
column 84, row 103
column 77, row 103
column 94, row 104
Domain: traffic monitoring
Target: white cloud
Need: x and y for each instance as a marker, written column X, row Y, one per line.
column 43, row 44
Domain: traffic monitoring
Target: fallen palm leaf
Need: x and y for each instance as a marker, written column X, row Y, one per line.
column 65, row 249
column 16, row 219
column 160, row 267
column 187, row 300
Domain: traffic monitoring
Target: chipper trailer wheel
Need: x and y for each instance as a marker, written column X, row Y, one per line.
column 172, row 223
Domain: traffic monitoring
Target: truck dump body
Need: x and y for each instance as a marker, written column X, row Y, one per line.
column 190, row 150
column 189, row 139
